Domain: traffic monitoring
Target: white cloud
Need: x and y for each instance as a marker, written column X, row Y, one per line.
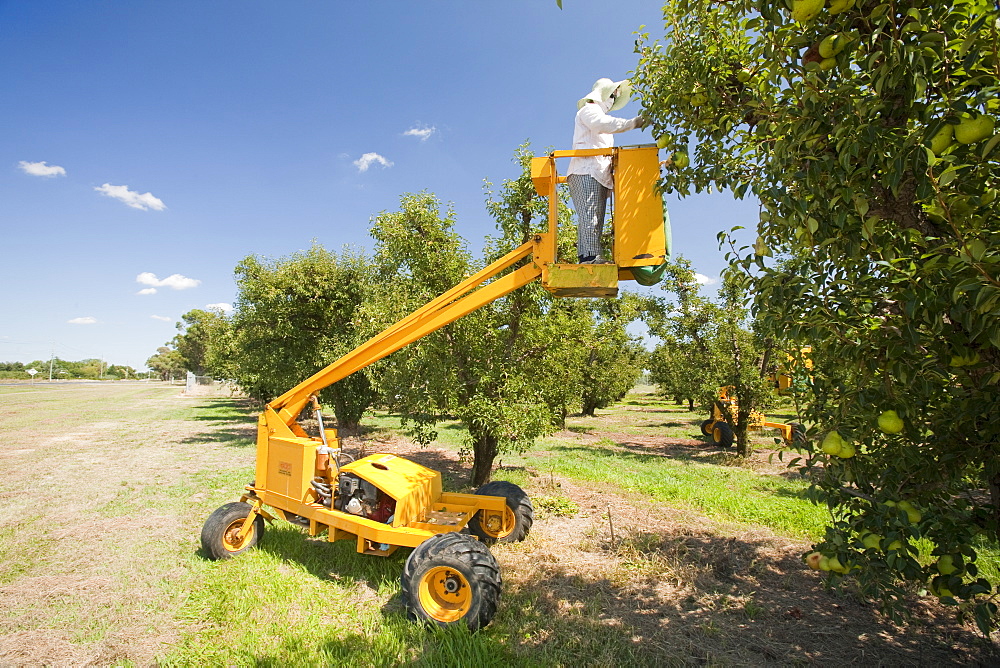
column 423, row 133
column 147, row 291
column 144, row 202
column 175, row 281
column 161, row 317
column 702, row 279
column 366, row 161
column 41, row 169
column 86, row 320
column 221, row 306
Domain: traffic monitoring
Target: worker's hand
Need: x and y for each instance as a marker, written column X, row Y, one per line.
column 640, row 122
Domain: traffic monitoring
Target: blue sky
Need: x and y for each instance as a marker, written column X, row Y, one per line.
column 147, row 147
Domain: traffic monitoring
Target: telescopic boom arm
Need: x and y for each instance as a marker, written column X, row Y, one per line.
column 640, row 243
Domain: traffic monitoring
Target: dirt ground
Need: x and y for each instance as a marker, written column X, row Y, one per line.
column 99, row 514
column 685, row 585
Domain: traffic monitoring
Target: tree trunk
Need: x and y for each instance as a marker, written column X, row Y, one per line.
column 484, row 451
column 743, row 448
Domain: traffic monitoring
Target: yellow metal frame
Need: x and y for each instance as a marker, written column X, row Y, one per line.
column 286, row 454
column 756, row 420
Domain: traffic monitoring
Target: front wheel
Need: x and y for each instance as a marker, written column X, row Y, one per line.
column 517, row 518
column 722, row 435
column 706, row 427
column 220, row 537
column 451, row 578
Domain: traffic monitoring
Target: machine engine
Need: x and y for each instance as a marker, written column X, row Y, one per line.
column 357, row 496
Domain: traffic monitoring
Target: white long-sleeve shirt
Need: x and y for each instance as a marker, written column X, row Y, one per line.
column 594, row 128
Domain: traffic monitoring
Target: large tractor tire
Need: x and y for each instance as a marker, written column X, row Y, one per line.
column 517, row 519
column 722, row 435
column 451, row 578
column 220, row 535
column 706, row 427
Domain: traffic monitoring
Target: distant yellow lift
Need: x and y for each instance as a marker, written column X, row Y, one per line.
column 293, row 468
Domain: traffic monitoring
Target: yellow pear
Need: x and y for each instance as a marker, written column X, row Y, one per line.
column 806, row 10
column 890, row 422
column 943, row 138
column 970, row 130
column 831, row 45
column 832, row 443
column 837, row 6
column 912, row 514
column 871, row 540
column 946, row 564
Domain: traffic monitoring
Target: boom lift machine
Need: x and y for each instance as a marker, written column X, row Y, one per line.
column 383, row 502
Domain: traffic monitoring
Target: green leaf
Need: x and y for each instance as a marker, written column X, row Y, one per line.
column 990, row 145
column 947, row 176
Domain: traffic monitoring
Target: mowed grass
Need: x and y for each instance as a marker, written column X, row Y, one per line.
column 112, row 564
column 724, row 492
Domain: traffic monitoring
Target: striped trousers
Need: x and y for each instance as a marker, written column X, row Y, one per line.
column 590, row 199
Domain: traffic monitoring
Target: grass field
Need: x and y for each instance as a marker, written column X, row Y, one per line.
column 649, row 548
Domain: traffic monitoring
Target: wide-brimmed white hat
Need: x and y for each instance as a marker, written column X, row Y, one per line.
column 605, row 89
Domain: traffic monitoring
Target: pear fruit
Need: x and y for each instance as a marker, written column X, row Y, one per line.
column 890, row 422
column 813, row 559
column 912, row 514
column 698, row 98
column 832, row 443
column 943, row 138
column 824, row 563
column 833, row 44
column 838, row 6
column 806, row 10
column 827, row 64
column 744, row 75
column 871, row 540
column 946, row 564
column 662, row 141
column 760, row 247
column 970, row 130
column 680, row 159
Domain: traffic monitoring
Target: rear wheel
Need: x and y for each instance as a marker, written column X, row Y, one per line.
column 451, row 578
column 517, row 519
column 722, row 435
column 220, row 536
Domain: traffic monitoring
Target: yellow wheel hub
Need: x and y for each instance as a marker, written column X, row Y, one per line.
column 500, row 526
column 445, row 594
column 231, row 538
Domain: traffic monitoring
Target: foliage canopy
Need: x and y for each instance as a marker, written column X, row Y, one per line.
column 865, row 130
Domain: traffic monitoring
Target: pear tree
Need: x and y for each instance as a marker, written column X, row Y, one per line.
column 866, row 130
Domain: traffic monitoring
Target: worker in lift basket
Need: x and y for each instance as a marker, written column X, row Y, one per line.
column 590, row 182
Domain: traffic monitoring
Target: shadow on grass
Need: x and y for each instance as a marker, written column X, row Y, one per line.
column 697, row 452
column 739, row 603
column 236, row 436
column 747, row 606
column 226, row 409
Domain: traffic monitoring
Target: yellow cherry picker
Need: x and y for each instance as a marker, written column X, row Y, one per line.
column 383, row 502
